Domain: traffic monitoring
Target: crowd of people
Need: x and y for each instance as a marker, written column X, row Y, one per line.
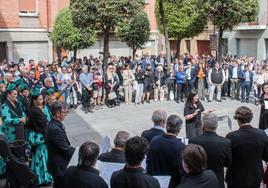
column 35, row 99
column 140, row 80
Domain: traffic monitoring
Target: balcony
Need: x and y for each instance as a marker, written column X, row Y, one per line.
column 259, row 24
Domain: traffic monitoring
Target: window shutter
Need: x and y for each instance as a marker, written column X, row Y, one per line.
column 27, row 5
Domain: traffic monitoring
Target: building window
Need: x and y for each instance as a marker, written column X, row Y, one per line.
column 28, row 7
column 188, row 46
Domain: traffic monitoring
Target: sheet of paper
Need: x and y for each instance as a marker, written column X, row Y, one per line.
column 106, row 170
column 266, row 131
column 143, row 163
column 184, row 140
column 266, row 105
column 75, row 157
column 163, row 181
column 105, row 145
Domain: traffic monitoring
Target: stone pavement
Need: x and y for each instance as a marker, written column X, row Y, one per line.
column 81, row 127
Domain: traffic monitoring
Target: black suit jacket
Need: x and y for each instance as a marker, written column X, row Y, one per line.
column 164, row 158
column 59, row 148
column 149, row 134
column 133, row 178
column 219, row 154
column 114, row 156
column 83, row 177
column 249, row 148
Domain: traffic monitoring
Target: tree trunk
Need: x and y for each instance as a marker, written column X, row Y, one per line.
column 164, row 24
column 134, row 50
column 178, row 48
column 75, row 53
column 106, row 47
column 219, row 54
column 59, row 54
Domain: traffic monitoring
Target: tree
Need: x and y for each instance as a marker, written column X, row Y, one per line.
column 185, row 19
column 66, row 35
column 104, row 16
column 163, row 23
column 226, row 14
column 136, row 32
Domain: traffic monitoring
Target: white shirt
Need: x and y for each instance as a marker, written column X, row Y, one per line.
column 235, row 72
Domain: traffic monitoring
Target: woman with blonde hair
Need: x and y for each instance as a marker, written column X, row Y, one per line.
column 110, row 84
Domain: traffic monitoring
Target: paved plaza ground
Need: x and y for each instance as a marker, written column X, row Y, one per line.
column 82, row 127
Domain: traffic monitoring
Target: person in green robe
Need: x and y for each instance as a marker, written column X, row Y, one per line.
column 12, row 116
column 38, row 120
column 2, row 93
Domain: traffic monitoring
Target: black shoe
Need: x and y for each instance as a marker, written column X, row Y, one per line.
column 218, row 100
column 75, row 106
column 209, row 100
column 247, row 101
column 182, row 100
column 178, row 101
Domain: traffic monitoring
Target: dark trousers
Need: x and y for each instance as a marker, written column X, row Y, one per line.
column 180, row 91
column 171, row 87
column 224, row 89
column 189, row 86
column 86, row 96
column 245, row 89
column 58, row 182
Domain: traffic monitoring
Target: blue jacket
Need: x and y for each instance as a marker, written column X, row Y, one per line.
column 181, row 77
column 144, row 64
column 242, row 76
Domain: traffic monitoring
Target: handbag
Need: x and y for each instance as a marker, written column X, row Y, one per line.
column 111, row 95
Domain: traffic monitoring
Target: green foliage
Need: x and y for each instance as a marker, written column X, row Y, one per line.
column 69, row 37
column 103, row 15
column 225, row 14
column 185, row 18
column 136, row 32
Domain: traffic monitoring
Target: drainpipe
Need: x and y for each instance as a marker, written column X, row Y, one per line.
column 48, row 15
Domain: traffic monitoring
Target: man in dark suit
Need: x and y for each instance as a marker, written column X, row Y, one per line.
column 218, row 148
column 84, row 175
column 159, row 118
column 117, row 154
column 249, row 149
column 59, row 148
column 164, row 156
column 133, row 175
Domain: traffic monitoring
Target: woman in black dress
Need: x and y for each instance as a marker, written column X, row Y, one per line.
column 263, row 123
column 192, row 114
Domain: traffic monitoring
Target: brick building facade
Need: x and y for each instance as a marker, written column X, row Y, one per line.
column 25, row 27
